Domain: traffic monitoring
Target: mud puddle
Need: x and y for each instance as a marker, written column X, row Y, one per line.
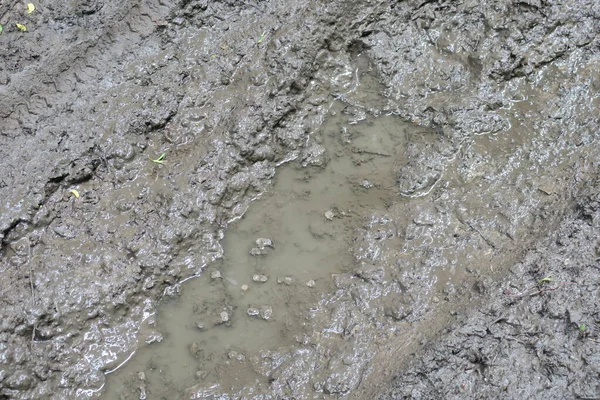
column 278, row 261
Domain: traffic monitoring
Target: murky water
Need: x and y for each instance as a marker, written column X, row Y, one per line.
column 278, row 261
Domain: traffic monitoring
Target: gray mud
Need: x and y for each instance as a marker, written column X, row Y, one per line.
column 472, row 273
column 277, row 261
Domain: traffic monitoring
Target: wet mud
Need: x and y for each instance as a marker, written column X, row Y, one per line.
column 299, row 200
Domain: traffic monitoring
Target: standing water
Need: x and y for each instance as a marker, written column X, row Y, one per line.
column 278, row 262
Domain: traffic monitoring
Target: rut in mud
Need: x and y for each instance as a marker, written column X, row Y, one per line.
column 487, row 210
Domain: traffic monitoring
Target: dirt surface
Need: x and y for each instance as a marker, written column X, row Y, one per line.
column 478, row 280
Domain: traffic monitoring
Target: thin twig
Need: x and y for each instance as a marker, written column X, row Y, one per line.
column 541, row 290
column 360, row 151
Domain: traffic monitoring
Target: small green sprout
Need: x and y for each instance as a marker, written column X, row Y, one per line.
column 582, row 328
column 546, row 279
column 262, row 37
column 1, row 28
column 160, row 159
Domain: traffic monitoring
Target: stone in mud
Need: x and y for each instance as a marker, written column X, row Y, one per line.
column 255, row 251
column 253, row 311
column 260, row 278
column 235, row 355
column 266, row 312
column 215, row 274
column 261, row 243
column 173, row 291
column 154, row 337
column 311, row 283
column 224, row 318
column 143, row 395
column 195, row 349
column 366, row 184
column 244, row 288
column 330, row 215
column 287, row 280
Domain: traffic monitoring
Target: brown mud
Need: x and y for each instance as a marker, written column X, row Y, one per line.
column 470, row 271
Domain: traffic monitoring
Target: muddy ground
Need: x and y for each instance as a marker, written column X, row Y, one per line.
column 479, row 279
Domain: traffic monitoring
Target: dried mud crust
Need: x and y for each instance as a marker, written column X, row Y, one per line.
column 229, row 90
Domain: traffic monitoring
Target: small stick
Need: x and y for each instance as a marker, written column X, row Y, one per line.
column 359, row 151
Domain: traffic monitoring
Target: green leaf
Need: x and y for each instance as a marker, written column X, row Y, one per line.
column 21, row 27
column 30, row 8
column 160, row 159
column 262, row 37
column 0, row 28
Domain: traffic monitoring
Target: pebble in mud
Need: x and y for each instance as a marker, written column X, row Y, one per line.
column 154, row 337
column 244, row 288
column 195, row 349
column 266, row 312
column 260, row 278
column 311, row 283
column 143, row 395
column 234, row 355
column 287, row 280
column 366, row 184
column 330, row 215
column 215, row 274
column 224, row 317
column 255, row 251
column 261, row 243
column 261, row 246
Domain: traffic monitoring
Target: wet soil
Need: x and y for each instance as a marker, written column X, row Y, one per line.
column 468, row 271
column 277, row 261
